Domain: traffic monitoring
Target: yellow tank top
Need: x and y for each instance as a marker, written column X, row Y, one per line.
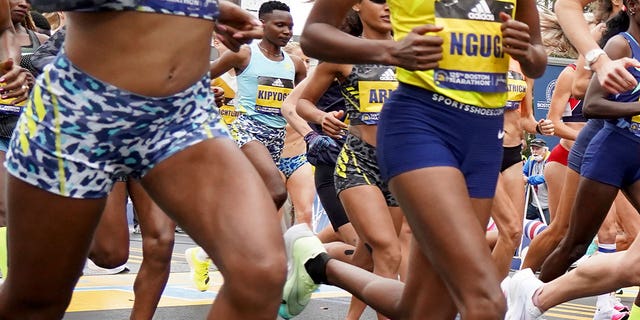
column 474, row 67
column 228, row 111
column 516, row 89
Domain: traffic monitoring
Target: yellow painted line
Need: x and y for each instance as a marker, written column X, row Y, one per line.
column 109, row 292
column 565, row 316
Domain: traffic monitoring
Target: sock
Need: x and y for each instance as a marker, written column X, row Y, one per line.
column 635, row 313
column 202, row 255
column 4, row 267
column 317, row 268
column 606, row 247
column 532, row 228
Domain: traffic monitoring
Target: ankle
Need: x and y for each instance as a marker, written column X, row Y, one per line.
column 316, row 268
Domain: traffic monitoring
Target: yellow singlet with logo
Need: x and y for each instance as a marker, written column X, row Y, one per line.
column 516, row 90
column 228, row 111
column 474, row 66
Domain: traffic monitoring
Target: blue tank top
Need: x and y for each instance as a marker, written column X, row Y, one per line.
column 630, row 123
column 203, row 9
column 263, row 86
column 365, row 90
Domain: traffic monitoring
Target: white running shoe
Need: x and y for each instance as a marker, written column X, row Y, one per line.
column 522, row 286
column 91, row 269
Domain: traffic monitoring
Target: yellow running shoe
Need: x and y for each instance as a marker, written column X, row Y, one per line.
column 199, row 269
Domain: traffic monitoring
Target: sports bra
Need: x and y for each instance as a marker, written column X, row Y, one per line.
column 573, row 108
column 203, row 9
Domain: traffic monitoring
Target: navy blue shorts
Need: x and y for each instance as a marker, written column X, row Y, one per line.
column 612, row 157
column 419, row 129
column 584, row 137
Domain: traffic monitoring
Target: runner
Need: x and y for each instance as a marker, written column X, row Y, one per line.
column 151, row 129
column 443, row 124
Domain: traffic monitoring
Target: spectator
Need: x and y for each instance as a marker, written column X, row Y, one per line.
column 533, row 175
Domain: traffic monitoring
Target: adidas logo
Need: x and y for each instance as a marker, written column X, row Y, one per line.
column 388, row 75
column 277, row 83
column 481, row 12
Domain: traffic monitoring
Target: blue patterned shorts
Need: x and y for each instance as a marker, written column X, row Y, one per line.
column 245, row 129
column 78, row 135
column 289, row 165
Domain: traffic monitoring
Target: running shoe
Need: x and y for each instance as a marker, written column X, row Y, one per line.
column 522, row 286
column 610, row 314
column 301, row 245
column 92, row 269
column 199, row 269
column 617, row 305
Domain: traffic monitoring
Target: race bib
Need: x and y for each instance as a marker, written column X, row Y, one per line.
column 473, row 58
column 271, row 94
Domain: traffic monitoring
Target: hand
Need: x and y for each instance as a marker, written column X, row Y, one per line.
column 418, row 51
column 235, row 26
column 17, row 82
column 613, row 75
column 525, row 179
column 321, row 149
column 218, row 96
column 332, row 125
column 546, row 127
column 516, row 40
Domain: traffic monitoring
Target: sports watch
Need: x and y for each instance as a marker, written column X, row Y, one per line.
column 592, row 56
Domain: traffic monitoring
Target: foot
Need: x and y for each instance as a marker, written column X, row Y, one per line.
column 91, row 269
column 301, row 245
column 199, row 269
column 520, row 296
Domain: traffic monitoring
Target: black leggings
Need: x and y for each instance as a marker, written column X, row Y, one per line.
column 328, row 197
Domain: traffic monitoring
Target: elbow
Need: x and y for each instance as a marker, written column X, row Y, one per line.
column 590, row 111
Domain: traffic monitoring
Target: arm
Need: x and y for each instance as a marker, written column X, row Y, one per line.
column 7, row 48
column 301, row 69
column 289, row 110
column 322, row 39
column 319, row 81
column 235, row 26
column 583, row 76
column 527, row 120
column 230, row 60
column 536, row 179
column 561, row 95
column 611, row 74
column 596, row 103
column 522, row 40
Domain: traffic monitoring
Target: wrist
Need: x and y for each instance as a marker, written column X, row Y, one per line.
column 594, row 59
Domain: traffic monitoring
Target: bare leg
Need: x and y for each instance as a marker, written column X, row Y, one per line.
column 554, row 175
column 110, row 245
column 592, row 204
column 450, row 228
column 242, row 237
column 542, row 246
column 261, row 160
column 600, row 274
column 158, row 234
column 42, row 224
column 508, row 219
column 302, row 191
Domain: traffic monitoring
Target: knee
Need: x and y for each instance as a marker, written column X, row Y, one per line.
column 512, row 233
column 158, row 246
column 256, row 282
column 109, row 258
column 386, row 253
column 279, row 195
column 493, row 306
